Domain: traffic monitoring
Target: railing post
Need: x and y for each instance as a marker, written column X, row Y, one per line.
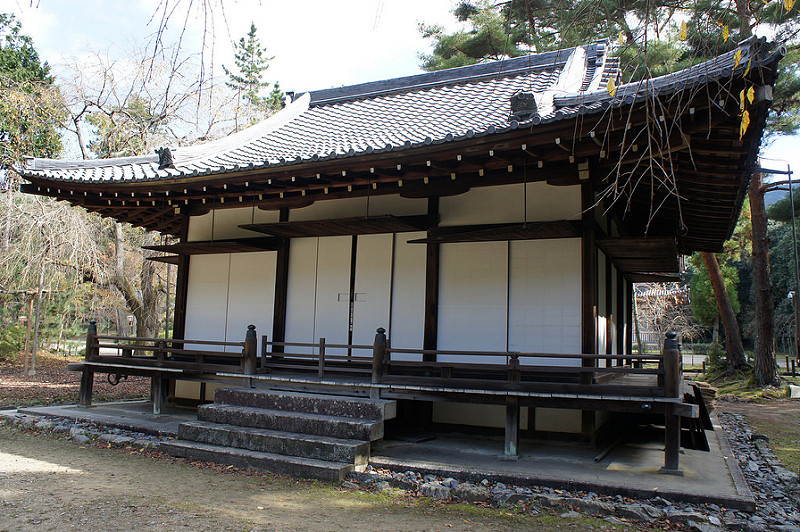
column 87, row 375
column 321, row 371
column 671, row 357
column 378, row 355
column 250, row 351
column 92, row 350
column 672, row 422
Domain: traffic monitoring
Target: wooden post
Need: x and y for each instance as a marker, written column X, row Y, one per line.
column 87, row 375
column 511, row 447
column 794, row 366
column 250, row 351
column 589, row 275
column 378, row 359
column 158, row 389
column 672, row 366
column 672, row 422
column 157, row 382
column 321, row 371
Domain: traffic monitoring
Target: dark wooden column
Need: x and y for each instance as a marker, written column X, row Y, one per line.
column 181, row 286
column 609, row 310
column 588, row 297
column 431, row 334
column 281, row 288
column 621, row 315
column 629, row 317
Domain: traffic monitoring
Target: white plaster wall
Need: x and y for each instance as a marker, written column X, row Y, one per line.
column 226, row 223
column 473, row 299
column 475, row 414
column 545, row 298
column 505, row 204
column 352, row 207
column 408, row 294
column 373, row 287
column 558, row 420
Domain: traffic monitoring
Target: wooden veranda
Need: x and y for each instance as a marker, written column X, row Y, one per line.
column 651, row 384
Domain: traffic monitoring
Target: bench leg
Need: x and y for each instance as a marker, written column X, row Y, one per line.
column 87, row 384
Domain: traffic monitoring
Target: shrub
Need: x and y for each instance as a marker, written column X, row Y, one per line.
column 12, row 339
column 717, row 360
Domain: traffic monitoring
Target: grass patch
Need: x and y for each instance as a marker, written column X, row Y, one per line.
column 784, row 440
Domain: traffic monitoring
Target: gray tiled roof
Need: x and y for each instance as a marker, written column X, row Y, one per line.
column 402, row 113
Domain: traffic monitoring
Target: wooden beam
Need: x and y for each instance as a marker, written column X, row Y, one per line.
column 502, row 232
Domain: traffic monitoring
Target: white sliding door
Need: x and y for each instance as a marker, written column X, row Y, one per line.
column 544, row 298
column 251, row 294
column 332, row 314
column 373, row 286
column 207, row 299
column 473, row 299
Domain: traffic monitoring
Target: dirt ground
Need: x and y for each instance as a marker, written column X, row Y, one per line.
column 51, row 483
column 53, row 384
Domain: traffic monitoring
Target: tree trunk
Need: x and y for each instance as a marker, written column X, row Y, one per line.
column 32, row 368
column 733, row 338
column 765, row 371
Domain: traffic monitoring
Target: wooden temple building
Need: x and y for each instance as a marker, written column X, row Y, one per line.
column 487, row 221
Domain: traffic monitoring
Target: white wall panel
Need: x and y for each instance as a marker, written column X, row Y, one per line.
column 251, row 294
column 408, row 294
column 301, row 291
column 332, row 313
column 373, row 286
column 544, row 298
column 207, row 299
column 473, row 289
column 351, row 207
column 226, row 223
column 504, row 204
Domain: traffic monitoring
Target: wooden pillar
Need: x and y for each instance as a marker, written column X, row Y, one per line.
column 431, row 326
column 672, row 422
column 619, row 312
column 629, row 317
column 181, row 287
column 588, row 297
column 87, row 374
column 609, row 308
column 281, row 288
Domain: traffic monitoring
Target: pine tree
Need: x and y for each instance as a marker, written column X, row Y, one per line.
column 251, row 61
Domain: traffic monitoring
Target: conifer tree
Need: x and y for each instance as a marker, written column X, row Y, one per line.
column 251, row 61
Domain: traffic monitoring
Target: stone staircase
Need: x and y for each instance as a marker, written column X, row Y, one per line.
column 304, row 435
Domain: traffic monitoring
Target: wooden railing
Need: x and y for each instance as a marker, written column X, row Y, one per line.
column 510, row 370
column 238, row 357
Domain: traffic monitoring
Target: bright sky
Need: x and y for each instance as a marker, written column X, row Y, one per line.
column 316, row 44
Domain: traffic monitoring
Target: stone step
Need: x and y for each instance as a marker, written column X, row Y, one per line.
column 298, row 422
column 312, row 403
column 246, row 458
column 271, row 441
